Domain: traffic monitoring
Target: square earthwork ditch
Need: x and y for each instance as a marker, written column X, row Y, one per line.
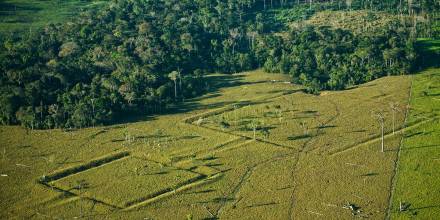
column 127, row 181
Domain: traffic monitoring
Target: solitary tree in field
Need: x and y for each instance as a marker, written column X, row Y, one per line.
column 254, row 124
column 265, row 132
column 394, row 108
column 224, row 124
column 381, row 120
column 127, row 136
column 235, row 106
column 82, row 184
column 279, row 114
column 304, row 127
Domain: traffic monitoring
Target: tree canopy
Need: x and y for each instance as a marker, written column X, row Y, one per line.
column 139, row 56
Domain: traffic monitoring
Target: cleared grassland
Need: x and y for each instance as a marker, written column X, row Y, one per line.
column 293, row 120
column 321, row 152
column 418, row 176
column 352, row 19
column 28, row 15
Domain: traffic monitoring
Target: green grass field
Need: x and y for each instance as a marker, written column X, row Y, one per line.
column 24, row 16
column 321, row 153
column 418, row 178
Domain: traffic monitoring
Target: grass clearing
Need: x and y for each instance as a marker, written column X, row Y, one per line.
column 292, row 120
column 357, row 21
column 22, row 16
column 418, row 177
column 321, row 154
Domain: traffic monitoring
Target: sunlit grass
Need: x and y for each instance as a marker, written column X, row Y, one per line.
column 321, row 150
column 418, row 175
column 26, row 16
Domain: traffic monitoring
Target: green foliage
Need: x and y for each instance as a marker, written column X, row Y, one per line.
column 326, row 58
column 116, row 59
column 265, row 132
column 224, row 124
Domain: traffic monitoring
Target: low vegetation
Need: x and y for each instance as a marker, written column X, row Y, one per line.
column 338, row 59
column 414, row 195
column 314, row 153
column 27, row 16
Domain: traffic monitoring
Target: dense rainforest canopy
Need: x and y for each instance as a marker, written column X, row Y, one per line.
column 139, row 56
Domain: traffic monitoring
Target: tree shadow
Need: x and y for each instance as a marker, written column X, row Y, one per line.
column 154, row 136
column 131, row 117
column 413, row 134
column 195, row 105
column 117, row 140
column 24, row 146
column 429, row 53
column 313, row 112
column 156, row 173
column 426, row 146
column 201, row 192
column 299, row 137
column 433, row 94
column 424, row 207
column 369, row 174
column 262, row 204
column 358, row 131
column 189, row 137
column 215, row 82
column 209, row 158
column 98, row 133
column 220, row 81
column 325, row 126
column 214, row 164
column 379, row 96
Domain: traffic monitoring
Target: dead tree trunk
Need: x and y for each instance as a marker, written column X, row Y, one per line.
column 382, row 135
